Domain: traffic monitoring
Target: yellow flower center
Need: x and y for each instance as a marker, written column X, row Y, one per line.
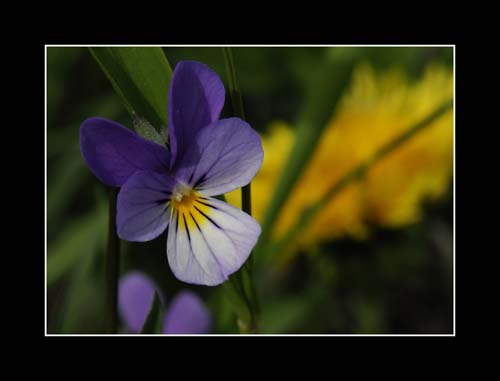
column 183, row 198
column 189, row 207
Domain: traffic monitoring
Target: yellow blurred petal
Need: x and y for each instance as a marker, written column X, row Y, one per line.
column 376, row 108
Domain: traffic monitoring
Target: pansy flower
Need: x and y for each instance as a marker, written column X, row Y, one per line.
column 174, row 188
column 186, row 313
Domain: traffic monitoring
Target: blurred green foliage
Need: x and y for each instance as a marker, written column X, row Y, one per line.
column 397, row 282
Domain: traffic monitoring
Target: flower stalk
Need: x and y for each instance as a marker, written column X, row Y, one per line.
column 244, row 276
column 237, row 103
column 112, row 266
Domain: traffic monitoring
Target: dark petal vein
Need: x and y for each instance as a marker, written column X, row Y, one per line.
column 208, row 218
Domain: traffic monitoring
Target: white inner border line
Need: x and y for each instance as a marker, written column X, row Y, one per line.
column 260, row 46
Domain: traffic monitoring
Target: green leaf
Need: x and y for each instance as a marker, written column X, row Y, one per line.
column 81, row 237
column 326, row 86
column 141, row 76
column 154, row 320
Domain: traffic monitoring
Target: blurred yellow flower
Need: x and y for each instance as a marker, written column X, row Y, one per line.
column 375, row 109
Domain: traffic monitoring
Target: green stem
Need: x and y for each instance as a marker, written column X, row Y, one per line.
column 237, row 103
column 246, row 200
column 354, row 174
column 112, row 266
column 234, row 90
column 154, row 319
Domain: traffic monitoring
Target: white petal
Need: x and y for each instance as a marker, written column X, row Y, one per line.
column 213, row 243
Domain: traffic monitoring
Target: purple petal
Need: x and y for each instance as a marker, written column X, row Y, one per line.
column 143, row 206
column 196, row 98
column 210, row 242
column 113, row 152
column 226, row 156
column 187, row 315
column 135, row 295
